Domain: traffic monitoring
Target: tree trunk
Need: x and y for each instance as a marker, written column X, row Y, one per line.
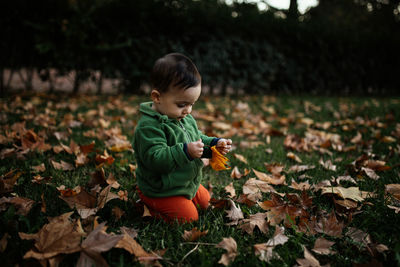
column 293, row 10
column 100, row 83
column 77, row 82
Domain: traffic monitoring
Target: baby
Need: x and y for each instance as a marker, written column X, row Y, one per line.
column 169, row 146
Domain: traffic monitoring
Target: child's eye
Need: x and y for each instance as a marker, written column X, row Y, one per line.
column 181, row 105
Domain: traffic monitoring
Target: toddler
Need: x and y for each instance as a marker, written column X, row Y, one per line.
column 169, row 146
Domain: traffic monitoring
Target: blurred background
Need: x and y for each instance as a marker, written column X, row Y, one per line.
column 325, row 47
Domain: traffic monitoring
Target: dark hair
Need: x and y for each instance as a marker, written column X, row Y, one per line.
column 174, row 70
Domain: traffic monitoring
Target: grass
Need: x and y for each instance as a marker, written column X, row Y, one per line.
column 381, row 117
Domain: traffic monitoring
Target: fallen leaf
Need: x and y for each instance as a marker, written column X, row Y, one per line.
column 300, row 186
column 294, row 157
column 300, row 168
column 370, row 173
column 97, row 241
column 327, row 165
column 240, row 157
column 275, row 180
column 229, row 244
column 4, row 242
column 322, row 246
column 309, row 259
column 22, row 205
column 39, row 168
column 230, row 190
column 330, row 225
column 236, row 173
column 352, row 193
column 265, row 251
column 60, row 236
column 394, row 190
column 193, row 234
column 258, row 220
column 65, row 166
column 359, row 236
column 234, row 213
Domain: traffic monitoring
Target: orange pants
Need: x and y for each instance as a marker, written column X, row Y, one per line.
column 177, row 207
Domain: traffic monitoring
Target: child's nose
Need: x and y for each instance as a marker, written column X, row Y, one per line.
column 188, row 109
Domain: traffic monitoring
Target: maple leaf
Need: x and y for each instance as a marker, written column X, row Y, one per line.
column 81, row 159
column 275, row 180
column 394, row 190
column 300, row 168
column 236, row 173
column 235, row 213
column 230, row 189
column 359, row 236
column 309, row 259
column 8, row 180
column 23, row 205
column 60, row 236
column 39, row 168
column 254, row 186
column 193, row 234
column 65, row 166
column 300, row 186
column 258, row 220
column 265, row 251
column 322, row 246
column 352, row 193
column 129, row 244
column 244, row 199
column 274, row 168
column 327, row 165
column 229, row 244
column 330, row 225
column 240, row 157
column 294, row 157
column 86, row 149
column 96, row 242
column 218, row 161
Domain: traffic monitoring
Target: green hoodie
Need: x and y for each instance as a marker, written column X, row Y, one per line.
column 163, row 167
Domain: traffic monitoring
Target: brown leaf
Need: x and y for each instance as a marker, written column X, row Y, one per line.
column 235, row 213
column 300, row 186
column 300, row 168
column 275, row 180
column 86, row 149
column 111, row 180
column 394, row 190
column 327, row 165
column 229, row 244
column 279, row 237
column 133, row 247
column 193, row 234
column 105, row 196
column 60, row 236
column 359, row 236
column 258, row 220
column 240, row 157
column 274, row 168
column 236, row 173
column 309, row 259
column 330, row 225
column 322, row 246
column 39, row 168
column 65, row 166
column 8, row 180
column 81, row 160
column 264, row 252
column 294, row 157
column 230, row 190
column 244, row 199
column 23, row 205
column 4, row 242
column 352, row 193
column 97, row 241
column 81, row 200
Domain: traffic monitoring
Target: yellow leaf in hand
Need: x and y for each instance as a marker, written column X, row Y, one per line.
column 218, row 161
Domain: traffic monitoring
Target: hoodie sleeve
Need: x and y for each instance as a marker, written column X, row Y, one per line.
column 155, row 154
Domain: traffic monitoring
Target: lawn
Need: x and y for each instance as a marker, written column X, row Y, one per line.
column 313, row 181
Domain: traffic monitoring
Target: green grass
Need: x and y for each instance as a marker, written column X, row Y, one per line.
column 375, row 218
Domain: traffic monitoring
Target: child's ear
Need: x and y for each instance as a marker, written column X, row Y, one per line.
column 155, row 96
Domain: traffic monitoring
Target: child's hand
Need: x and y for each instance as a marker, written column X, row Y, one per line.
column 195, row 149
column 224, row 145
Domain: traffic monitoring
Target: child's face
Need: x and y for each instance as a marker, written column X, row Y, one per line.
column 176, row 103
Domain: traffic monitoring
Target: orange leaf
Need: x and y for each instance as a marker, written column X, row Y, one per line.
column 218, row 162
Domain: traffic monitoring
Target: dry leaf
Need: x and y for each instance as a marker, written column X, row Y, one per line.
column 327, row 165
column 39, row 168
column 60, row 236
column 300, row 168
column 330, row 225
column 236, row 173
column 370, row 173
column 97, row 241
column 193, row 234
column 353, row 193
column 300, row 186
column 359, row 236
column 265, row 251
column 279, row 238
column 322, row 246
column 235, row 213
column 65, row 166
column 231, row 190
column 275, row 179
column 218, row 161
column 309, row 260
column 394, row 190
column 294, row 157
column 4, row 242
column 23, row 205
column 229, row 244
column 240, row 157
column 258, row 220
